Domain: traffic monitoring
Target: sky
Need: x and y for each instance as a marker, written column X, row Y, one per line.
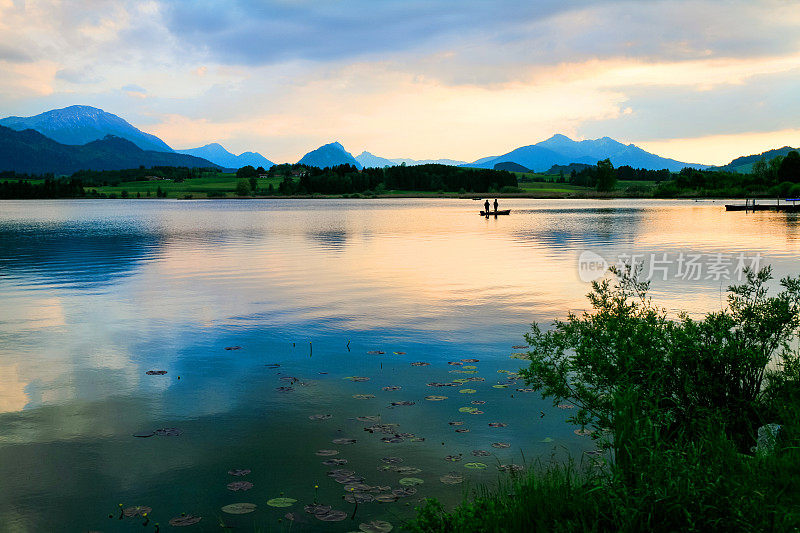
column 698, row 81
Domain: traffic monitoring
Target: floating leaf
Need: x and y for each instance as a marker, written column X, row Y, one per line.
column 511, row 468
column 453, row 458
column 404, row 402
column 462, row 430
column 136, row 510
column 526, row 390
column 357, row 378
column 314, row 508
column 399, row 353
column 410, row 481
column 331, row 516
column 392, row 388
column 284, row 389
column 475, row 466
column 239, row 472
column 469, row 367
column 327, row 453
column 481, row 453
column 358, row 497
column 476, row 378
column 501, row 445
column 344, row 441
column 519, row 347
column 386, row 498
column 476, row 412
column 233, row 348
column 420, row 363
column 368, row 418
column 375, row 352
column 519, row 356
column 281, row 502
column 334, row 462
column 375, row 526
column 363, row 396
column 467, row 391
column 451, row 479
column 239, row 485
column 185, row 520
column 144, row 434
column 456, row 423
column 434, row 398
column 156, row 372
column 392, row 460
column 470, row 360
column 239, row 508
column 455, row 363
column 168, row 432
column 496, row 425
column 477, row 402
column 503, row 371
column 546, row 439
column 320, row 417
column 460, row 380
column 500, row 386
column 403, row 492
column 467, row 409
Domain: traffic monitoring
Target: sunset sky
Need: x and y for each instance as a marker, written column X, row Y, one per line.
column 696, row 81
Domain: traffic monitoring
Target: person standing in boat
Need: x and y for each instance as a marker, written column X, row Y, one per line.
column 486, row 206
column 495, row 205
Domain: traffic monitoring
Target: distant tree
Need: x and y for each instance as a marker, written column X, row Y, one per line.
column 242, row 187
column 790, row 168
column 761, row 172
column 606, row 177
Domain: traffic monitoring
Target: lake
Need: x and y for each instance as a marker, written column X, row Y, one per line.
column 265, row 313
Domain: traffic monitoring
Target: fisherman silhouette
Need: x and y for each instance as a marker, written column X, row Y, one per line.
column 486, row 207
column 495, row 205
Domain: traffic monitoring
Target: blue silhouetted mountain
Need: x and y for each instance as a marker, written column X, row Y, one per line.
column 329, row 155
column 370, row 160
column 80, row 124
column 561, row 150
column 29, row 151
column 215, row 153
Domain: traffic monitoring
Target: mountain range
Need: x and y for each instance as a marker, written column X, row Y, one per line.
column 28, row 151
column 561, row 150
column 215, row 153
column 80, row 126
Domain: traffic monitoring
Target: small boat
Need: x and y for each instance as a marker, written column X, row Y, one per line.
column 495, row 213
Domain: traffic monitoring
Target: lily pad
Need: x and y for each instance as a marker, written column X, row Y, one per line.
column 462, row 430
column 363, row 396
column 334, row 462
column 358, row 497
column 453, row 458
column 468, row 391
column 168, row 432
column 456, row 423
column 547, row 439
column 476, row 412
column 519, row 356
column 467, row 409
column 420, row 363
column 156, row 372
column 392, row 388
column 136, row 510
column 478, row 402
column 239, row 485
column 526, row 390
column 320, row 417
column 375, row 526
column 239, row 508
column 386, row 498
column 481, row 453
column 455, row 363
column 331, row 516
column 326, row 453
column 403, row 492
column 375, row 352
column 239, row 472
column 451, row 479
column 496, row 425
column 470, row 360
column 399, row 353
column 475, row 466
column 500, row 386
column 185, row 520
column 501, row 445
column 469, row 367
column 284, row 389
column 434, row 398
column 407, row 470
column 233, row 348
column 392, row 460
column 144, row 434
column 368, row 418
column 357, row 378
column 344, row 441
column 281, row 502
column 403, row 402
column 411, row 481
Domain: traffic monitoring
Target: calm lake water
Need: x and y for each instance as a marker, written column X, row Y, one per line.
column 95, row 293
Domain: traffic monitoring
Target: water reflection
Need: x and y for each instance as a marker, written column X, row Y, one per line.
column 134, row 286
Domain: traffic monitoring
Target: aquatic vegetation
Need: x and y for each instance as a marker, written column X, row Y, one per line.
column 284, row 389
column 239, row 485
column 239, row 472
column 420, row 363
column 320, row 417
column 500, row 386
column 392, row 460
column 136, row 511
column 451, row 478
column 456, row 423
column 363, row 396
column 168, row 432
column 478, row 402
column 462, row 430
column 281, row 502
column 511, row 467
column 357, row 378
column 470, row 360
column 185, row 520
column 501, row 445
column 481, row 453
column 391, row 388
column 453, row 458
column 233, row 348
column 326, row 453
column 343, row 441
column 239, row 508
column 475, row 466
column 496, row 425
column 434, row 398
column 404, row 491
column 401, row 403
column 368, row 418
column 520, row 347
column 375, row 352
column 156, row 372
column 467, row 391
column 410, row 481
column 334, row 462
column 467, row 409
column 144, row 434
column 375, row 526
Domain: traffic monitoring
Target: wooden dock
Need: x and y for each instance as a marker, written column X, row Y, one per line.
column 789, row 206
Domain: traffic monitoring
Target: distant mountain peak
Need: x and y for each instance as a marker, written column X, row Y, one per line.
column 329, row 155
column 217, row 154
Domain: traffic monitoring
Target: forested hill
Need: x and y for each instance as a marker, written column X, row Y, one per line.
column 29, row 151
